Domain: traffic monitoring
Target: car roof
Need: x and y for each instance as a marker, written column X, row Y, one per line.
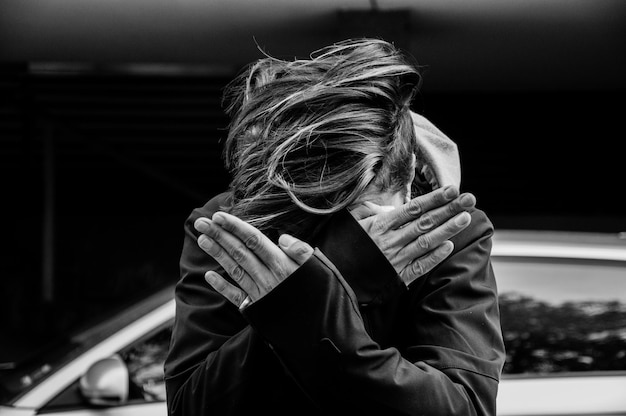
column 560, row 244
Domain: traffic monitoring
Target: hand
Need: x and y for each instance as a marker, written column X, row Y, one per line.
column 254, row 262
column 414, row 237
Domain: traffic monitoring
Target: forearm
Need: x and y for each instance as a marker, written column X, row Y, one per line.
column 218, row 382
column 242, row 377
column 214, row 356
column 320, row 337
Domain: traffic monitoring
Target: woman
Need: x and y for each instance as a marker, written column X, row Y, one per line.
column 329, row 289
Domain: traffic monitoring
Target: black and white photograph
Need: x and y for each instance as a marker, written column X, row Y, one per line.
column 289, row 207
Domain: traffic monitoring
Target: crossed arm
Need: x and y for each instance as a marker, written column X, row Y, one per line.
column 414, row 238
column 307, row 314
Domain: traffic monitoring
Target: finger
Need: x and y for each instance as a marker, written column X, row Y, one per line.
column 222, row 242
column 449, row 229
column 252, row 238
column 417, row 206
column 231, row 292
column 441, row 215
column 257, row 242
column 266, row 272
column 232, row 267
column 297, row 250
column 426, row 263
column 240, row 262
column 436, row 218
column 430, row 240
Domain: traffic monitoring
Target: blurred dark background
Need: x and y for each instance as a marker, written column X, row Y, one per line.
column 111, row 125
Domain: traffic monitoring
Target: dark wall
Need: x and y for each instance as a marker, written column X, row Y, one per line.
column 542, row 159
column 126, row 159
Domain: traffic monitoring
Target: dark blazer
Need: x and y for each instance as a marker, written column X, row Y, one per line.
column 341, row 335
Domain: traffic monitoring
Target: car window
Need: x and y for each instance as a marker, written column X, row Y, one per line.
column 561, row 316
column 19, row 377
column 145, row 360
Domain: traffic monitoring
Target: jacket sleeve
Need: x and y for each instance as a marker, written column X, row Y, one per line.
column 452, row 357
column 217, row 364
column 214, row 355
column 454, row 323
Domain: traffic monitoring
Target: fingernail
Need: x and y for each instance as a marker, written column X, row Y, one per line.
column 204, row 241
column 468, row 200
column 448, row 246
column 462, row 219
column 218, row 218
column 208, row 276
column 285, row 240
column 201, row 225
column 450, row 192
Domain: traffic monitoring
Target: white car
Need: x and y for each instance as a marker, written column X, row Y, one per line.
column 563, row 306
column 563, row 312
column 114, row 368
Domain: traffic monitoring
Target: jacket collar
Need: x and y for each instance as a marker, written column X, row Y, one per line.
column 361, row 263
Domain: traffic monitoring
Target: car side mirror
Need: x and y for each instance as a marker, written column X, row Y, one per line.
column 106, row 382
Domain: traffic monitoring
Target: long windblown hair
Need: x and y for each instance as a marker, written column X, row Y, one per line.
column 307, row 137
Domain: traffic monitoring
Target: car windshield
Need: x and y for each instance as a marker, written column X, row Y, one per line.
column 18, row 377
column 563, row 314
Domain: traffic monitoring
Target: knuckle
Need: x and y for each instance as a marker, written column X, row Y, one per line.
column 253, row 242
column 425, row 223
column 423, row 241
column 238, row 298
column 237, row 273
column 415, row 227
column 238, row 254
column 415, row 207
column 217, row 253
column 417, row 268
column 379, row 225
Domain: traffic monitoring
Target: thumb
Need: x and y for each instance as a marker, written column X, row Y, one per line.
column 297, row 250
